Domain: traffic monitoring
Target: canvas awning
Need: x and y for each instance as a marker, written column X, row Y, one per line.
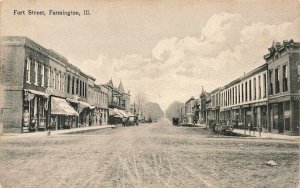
column 124, row 114
column 72, row 100
column 62, row 107
column 82, row 105
column 130, row 114
column 37, row 92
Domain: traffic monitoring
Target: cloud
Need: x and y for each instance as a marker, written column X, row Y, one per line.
column 178, row 67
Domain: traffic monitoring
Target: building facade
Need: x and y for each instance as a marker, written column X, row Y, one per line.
column 283, row 62
column 266, row 98
column 42, row 90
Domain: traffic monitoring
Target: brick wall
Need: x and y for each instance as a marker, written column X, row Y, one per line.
column 12, row 72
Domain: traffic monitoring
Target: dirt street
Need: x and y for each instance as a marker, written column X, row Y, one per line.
column 155, row 155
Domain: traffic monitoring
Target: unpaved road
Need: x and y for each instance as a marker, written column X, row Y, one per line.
column 156, row 155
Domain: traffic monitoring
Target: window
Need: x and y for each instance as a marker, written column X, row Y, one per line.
column 250, row 90
column 285, row 78
column 259, row 87
column 80, row 88
column 35, row 73
column 59, row 82
column 239, row 94
column 277, row 89
column 85, row 90
column 246, row 91
column 73, row 85
column 271, row 83
column 43, row 75
column 265, row 85
column 48, row 77
column 68, row 84
column 53, row 78
column 242, row 92
column 63, row 83
column 254, row 88
column 28, row 70
column 77, row 86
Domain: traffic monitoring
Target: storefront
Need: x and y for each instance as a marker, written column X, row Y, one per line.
column 62, row 114
column 35, row 110
column 247, row 115
column 284, row 115
column 260, row 116
column 83, row 110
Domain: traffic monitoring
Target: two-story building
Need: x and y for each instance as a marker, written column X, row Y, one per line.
column 284, row 87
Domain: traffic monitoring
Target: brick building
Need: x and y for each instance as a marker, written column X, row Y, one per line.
column 41, row 89
column 284, row 87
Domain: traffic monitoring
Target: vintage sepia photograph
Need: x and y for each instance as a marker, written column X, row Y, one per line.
column 149, row 93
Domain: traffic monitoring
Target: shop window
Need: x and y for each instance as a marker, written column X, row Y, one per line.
column 287, row 115
column 285, row 78
column 28, row 70
column 277, row 89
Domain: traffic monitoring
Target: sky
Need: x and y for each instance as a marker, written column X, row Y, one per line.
column 167, row 50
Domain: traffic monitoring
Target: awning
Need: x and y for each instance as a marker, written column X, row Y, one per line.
column 117, row 113
column 37, row 92
column 82, row 105
column 72, row 100
column 130, row 114
column 124, row 114
column 62, row 107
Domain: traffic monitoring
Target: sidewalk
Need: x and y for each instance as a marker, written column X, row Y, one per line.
column 268, row 135
column 6, row 136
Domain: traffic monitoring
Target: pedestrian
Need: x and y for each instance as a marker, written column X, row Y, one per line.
column 249, row 127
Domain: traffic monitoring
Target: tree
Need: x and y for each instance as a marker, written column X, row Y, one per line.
column 174, row 110
column 152, row 111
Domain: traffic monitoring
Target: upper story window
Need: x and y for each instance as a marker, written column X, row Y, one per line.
column 68, row 84
column 259, row 87
column 242, row 93
column 36, row 73
column 28, row 70
column 265, row 85
column 58, row 82
column 48, row 77
column 54, row 78
column 254, row 88
column 277, row 88
column 43, row 75
column 271, row 83
column 250, row 90
column 285, row 78
column 246, row 91
column 73, row 85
